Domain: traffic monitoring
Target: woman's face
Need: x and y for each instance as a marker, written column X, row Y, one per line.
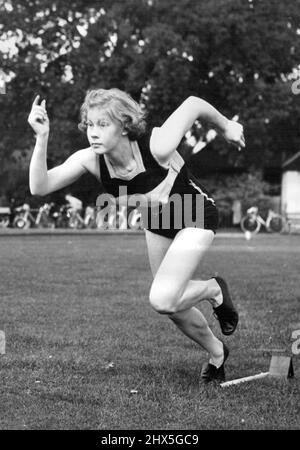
column 103, row 133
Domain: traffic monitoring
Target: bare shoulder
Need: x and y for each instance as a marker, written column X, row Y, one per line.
column 154, row 143
column 83, row 155
column 88, row 159
column 154, row 135
column 154, row 139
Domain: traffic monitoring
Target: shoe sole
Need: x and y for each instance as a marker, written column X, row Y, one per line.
column 225, row 292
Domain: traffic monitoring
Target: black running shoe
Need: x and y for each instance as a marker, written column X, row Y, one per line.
column 226, row 313
column 210, row 372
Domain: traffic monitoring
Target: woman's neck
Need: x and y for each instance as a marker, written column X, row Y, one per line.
column 122, row 157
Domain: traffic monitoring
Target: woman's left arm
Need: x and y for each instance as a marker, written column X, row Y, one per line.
column 165, row 140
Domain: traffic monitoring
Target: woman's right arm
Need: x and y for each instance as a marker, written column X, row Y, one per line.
column 41, row 180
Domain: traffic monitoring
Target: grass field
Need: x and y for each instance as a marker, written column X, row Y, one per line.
column 81, row 336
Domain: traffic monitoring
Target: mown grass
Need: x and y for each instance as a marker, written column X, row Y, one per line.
column 73, row 305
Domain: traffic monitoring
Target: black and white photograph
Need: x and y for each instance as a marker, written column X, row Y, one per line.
column 149, row 219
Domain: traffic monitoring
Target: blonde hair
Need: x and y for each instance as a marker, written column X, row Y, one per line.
column 119, row 106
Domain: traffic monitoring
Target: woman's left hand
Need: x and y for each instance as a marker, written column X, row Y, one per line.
column 234, row 134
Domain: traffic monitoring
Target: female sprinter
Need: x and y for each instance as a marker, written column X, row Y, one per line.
column 122, row 153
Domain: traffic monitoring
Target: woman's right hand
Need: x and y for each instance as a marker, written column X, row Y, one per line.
column 38, row 118
column 234, row 134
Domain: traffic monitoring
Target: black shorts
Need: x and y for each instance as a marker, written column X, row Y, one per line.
column 211, row 220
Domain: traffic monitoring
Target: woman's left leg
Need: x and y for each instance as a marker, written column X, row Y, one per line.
column 172, row 289
column 190, row 321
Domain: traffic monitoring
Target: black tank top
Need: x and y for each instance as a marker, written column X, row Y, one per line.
column 155, row 181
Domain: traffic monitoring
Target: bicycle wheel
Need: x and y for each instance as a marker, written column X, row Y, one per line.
column 89, row 222
column 250, row 224
column 50, row 224
column 4, row 222
column 76, row 223
column 41, row 222
column 73, row 221
column 21, row 223
column 62, row 222
column 276, row 224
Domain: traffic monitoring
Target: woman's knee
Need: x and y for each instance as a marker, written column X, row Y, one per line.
column 163, row 300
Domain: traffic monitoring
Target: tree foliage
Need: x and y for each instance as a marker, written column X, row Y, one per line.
column 237, row 54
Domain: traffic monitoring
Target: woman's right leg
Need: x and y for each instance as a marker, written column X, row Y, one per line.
column 190, row 321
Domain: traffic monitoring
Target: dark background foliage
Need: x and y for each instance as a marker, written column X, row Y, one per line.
column 237, row 54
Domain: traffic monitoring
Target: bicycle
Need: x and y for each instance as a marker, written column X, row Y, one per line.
column 23, row 218
column 4, row 216
column 75, row 219
column 44, row 217
column 119, row 217
column 252, row 222
column 90, row 220
column 61, row 217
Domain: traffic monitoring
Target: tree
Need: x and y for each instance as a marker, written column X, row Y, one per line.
column 237, row 54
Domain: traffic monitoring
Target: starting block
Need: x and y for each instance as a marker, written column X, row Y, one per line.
column 280, row 367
